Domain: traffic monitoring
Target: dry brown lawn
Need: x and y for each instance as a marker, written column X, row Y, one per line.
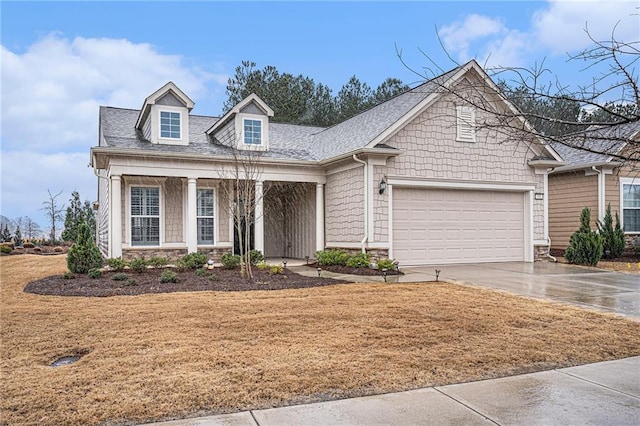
column 163, row 356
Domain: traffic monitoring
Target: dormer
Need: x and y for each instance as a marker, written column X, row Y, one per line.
column 164, row 117
column 245, row 126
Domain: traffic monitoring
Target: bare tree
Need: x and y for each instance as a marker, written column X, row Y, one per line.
column 538, row 97
column 238, row 191
column 54, row 214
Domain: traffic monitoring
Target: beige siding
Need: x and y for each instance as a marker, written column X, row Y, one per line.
column 102, row 216
column 430, row 150
column 380, row 207
column 289, row 220
column 344, row 206
column 569, row 193
column 612, row 193
column 173, row 214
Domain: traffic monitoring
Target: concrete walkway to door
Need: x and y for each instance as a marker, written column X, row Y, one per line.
column 587, row 287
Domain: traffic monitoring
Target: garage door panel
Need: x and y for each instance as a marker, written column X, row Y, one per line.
column 432, row 226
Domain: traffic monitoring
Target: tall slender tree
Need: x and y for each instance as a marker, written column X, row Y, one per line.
column 53, row 212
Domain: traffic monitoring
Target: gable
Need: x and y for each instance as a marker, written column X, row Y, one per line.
column 170, row 99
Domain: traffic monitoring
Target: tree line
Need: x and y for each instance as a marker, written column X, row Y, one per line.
column 300, row 100
column 76, row 213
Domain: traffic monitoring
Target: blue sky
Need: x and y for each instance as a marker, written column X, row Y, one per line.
column 62, row 60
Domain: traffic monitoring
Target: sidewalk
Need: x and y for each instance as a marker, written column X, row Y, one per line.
column 604, row 393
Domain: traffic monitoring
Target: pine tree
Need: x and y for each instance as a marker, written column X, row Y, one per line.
column 74, row 217
column 613, row 237
column 5, row 236
column 585, row 245
column 17, row 238
column 84, row 254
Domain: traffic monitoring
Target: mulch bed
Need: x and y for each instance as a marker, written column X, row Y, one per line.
column 149, row 282
column 354, row 271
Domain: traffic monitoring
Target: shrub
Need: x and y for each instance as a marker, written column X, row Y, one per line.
column 5, row 249
column 612, row 237
column 10, row 245
column 169, row 276
column 275, row 269
column 202, row 272
column 59, row 249
column 636, row 250
column 192, row 261
column 83, row 255
column 255, row 256
column 585, row 245
column 332, row 257
column 68, row 275
column 28, row 245
column 385, row 264
column 158, row 261
column 131, row 282
column 213, row 277
column 117, row 264
column 95, row 273
column 120, row 276
column 360, row 260
column 262, row 265
column 138, row 264
column 230, row 261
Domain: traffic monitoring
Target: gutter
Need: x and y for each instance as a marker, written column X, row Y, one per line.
column 572, row 167
column 366, row 203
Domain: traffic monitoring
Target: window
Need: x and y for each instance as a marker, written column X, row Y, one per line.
column 169, row 125
column 205, row 216
column 631, row 207
column 466, row 122
column 252, row 132
column 145, row 216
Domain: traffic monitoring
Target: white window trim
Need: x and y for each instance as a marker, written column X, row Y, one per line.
column 128, row 215
column 465, row 127
column 626, row 181
column 215, row 218
column 264, row 125
column 182, row 122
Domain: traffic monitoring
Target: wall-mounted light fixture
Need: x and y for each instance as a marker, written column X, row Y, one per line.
column 383, row 186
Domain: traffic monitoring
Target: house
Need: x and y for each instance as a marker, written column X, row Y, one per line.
column 415, row 178
column 595, row 177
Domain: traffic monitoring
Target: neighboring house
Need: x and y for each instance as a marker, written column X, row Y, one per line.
column 595, row 177
column 415, row 178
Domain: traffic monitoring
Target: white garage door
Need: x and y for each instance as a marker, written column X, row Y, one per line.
column 438, row 226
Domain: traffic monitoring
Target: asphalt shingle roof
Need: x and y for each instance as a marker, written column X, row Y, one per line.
column 286, row 141
column 597, row 144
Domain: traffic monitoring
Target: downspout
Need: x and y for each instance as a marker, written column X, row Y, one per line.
column 601, row 183
column 546, row 214
column 366, row 199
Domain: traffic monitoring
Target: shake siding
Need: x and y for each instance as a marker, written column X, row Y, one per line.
column 344, row 206
column 569, row 193
column 102, row 216
column 380, row 207
column 146, row 128
column 430, row 150
column 173, row 214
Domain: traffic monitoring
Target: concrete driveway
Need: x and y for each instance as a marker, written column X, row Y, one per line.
column 607, row 291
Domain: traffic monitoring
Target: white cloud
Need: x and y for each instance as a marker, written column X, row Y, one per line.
column 27, row 175
column 556, row 29
column 561, row 26
column 51, row 92
column 458, row 36
column 49, row 113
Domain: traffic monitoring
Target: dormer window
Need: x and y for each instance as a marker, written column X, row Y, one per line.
column 170, row 125
column 252, row 132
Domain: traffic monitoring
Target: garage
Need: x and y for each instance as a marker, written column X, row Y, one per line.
column 441, row 226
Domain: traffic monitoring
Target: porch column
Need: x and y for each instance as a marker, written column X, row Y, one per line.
column 116, row 216
column 258, row 218
column 192, row 220
column 319, row 216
